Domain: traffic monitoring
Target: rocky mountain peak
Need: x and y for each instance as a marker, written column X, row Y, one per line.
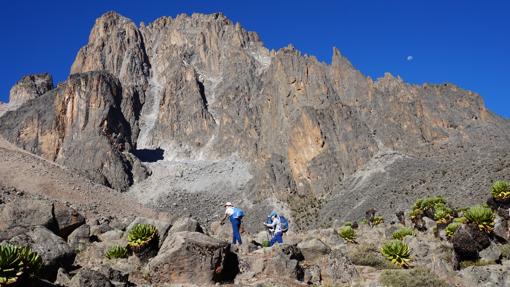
column 199, row 95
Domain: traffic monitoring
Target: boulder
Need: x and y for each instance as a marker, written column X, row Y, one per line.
column 53, row 250
column 490, row 275
column 188, row 257
column 67, row 218
column 79, row 238
column 186, row 224
column 279, row 261
column 312, row 275
column 313, row 249
column 19, row 215
column 501, row 228
column 89, row 278
column 468, row 240
column 491, row 253
column 338, row 269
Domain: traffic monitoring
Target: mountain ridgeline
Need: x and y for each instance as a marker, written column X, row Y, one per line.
column 320, row 140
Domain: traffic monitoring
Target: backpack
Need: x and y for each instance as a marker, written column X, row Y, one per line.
column 284, row 223
column 238, row 213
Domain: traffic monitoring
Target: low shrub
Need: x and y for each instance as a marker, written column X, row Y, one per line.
column 368, row 255
column 402, row 233
column 483, row 217
column 347, row 233
column 265, row 243
column 116, row 251
column 478, row 262
column 397, row 252
column 428, row 202
column 417, row 277
column 500, row 190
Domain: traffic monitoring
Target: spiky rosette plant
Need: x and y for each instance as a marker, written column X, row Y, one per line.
column 442, row 213
column 32, row 262
column 347, row 233
column 116, row 251
column 402, row 233
column 451, row 228
column 377, row 220
column 500, row 190
column 11, row 266
column 397, row 252
column 482, row 216
column 143, row 241
column 18, row 265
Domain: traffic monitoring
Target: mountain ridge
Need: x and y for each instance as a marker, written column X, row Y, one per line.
column 205, row 91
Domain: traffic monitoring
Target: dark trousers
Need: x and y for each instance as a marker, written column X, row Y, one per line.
column 278, row 237
column 236, row 225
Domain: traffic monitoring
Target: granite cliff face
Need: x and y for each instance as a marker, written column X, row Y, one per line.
column 278, row 129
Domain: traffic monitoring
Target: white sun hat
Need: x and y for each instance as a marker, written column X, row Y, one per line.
column 228, row 203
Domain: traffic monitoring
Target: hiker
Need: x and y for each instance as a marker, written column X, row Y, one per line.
column 235, row 216
column 278, row 225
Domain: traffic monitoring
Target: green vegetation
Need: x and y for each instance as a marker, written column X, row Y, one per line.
column 347, row 233
column 116, row 251
column 460, row 220
column 18, row 264
column 483, row 217
column 402, row 233
column 397, row 252
column 451, row 228
column 500, row 190
column 141, row 235
column 377, row 220
column 418, row 277
column 369, row 255
column 265, row 243
column 435, row 207
column 442, row 213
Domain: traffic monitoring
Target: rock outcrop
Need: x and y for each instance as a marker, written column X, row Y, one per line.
column 200, row 89
column 80, row 125
column 30, row 87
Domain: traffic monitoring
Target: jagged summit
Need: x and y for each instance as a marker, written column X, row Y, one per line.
column 194, row 109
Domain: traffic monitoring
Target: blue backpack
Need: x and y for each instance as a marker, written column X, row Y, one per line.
column 238, row 213
column 284, row 223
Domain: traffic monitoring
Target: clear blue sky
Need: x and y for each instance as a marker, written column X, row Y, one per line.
column 463, row 42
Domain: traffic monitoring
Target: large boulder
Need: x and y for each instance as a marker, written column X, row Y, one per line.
column 186, row 224
column 19, row 215
column 313, row 249
column 188, row 257
column 79, row 238
column 468, row 240
column 490, row 275
column 337, row 268
column 279, row 261
column 89, row 278
column 67, row 218
column 53, row 250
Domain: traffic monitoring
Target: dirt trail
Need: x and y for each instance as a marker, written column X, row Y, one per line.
column 36, row 176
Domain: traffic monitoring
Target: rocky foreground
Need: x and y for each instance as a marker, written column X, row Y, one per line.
column 75, row 251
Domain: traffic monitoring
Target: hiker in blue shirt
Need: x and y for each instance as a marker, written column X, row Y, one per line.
column 235, row 216
column 277, row 228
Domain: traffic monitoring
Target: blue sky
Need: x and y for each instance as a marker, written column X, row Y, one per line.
column 463, row 42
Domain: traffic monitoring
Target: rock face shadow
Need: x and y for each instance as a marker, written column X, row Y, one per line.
column 149, row 155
